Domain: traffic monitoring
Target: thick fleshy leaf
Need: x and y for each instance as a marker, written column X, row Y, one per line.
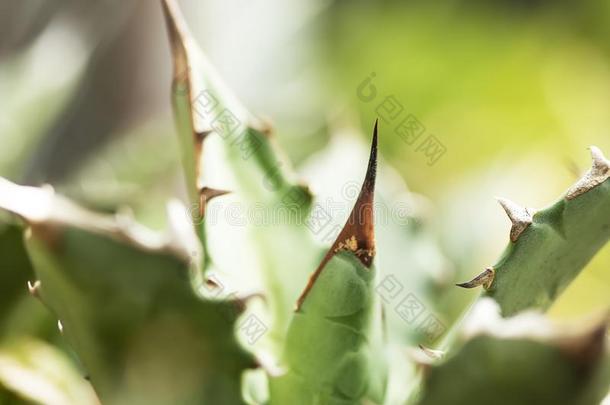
column 125, row 302
column 39, row 372
column 211, row 122
column 333, row 351
column 524, row 360
column 549, row 248
column 413, row 272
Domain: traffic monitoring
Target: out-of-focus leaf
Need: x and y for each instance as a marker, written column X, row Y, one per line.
column 35, row 87
column 333, row 350
column 212, row 123
column 524, row 360
column 40, row 373
column 127, row 304
column 137, row 169
column 15, row 270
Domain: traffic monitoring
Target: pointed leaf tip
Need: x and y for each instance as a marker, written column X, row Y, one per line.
column 520, row 217
column 206, row 194
column 432, row 353
column 371, row 172
column 177, row 31
column 358, row 234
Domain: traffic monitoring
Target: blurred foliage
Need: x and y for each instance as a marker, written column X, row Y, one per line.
column 483, row 78
column 504, row 86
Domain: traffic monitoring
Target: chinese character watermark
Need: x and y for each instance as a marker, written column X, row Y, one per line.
column 410, row 308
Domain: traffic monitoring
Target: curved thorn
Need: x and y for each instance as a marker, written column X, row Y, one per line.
column 520, row 217
column 208, row 193
column 358, row 234
column 433, row 354
column 485, row 279
column 205, row 195
column 599, row 172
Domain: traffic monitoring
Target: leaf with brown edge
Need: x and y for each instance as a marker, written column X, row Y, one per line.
column 358, row 234
column 213, row 125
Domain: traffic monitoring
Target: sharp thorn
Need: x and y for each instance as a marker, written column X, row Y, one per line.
column 599, row 172
column 484, row 279
column 358, row 234
column 209, row 193
column 33, row 288
column 433, row 354
column 600, row 163
column 205, row 195
column 520, row 217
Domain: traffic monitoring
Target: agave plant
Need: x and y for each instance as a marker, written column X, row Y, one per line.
column 157, row 317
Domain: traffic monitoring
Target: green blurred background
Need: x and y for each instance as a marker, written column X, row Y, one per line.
column 514, row 91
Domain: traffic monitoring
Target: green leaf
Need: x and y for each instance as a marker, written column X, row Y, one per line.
column 334, row 348
column 15, row 268
column 206, row 112
column 549, row 248
column 38, row 82
column 36, row 371
column 521, row 360
column 333, row 351
column 126, row 303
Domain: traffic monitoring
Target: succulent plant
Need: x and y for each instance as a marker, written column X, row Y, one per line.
column 148, row 317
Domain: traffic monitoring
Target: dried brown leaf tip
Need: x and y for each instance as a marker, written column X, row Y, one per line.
column 358, row 234
column 520, row 217
column 485, row 279
column 177, row 33
column 599, row 172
